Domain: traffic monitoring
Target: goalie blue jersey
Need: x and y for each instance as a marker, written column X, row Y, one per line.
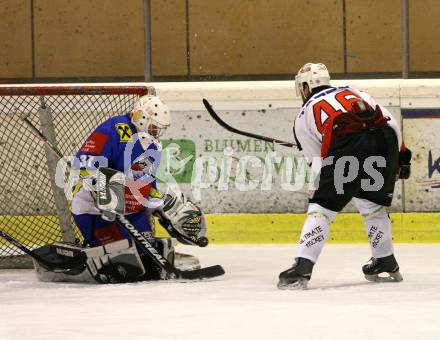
column 115, row 144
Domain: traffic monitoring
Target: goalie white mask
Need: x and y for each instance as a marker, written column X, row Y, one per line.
column 150, row 115
column 314, row 75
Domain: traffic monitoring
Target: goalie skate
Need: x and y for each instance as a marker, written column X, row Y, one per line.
column 296, row 277
column 186, row 262
column 387, row 265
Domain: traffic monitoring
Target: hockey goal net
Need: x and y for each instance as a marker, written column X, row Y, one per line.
column 33, row 209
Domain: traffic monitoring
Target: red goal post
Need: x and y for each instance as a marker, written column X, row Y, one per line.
column 32, row 208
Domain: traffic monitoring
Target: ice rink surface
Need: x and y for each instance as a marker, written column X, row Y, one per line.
column 243, row 304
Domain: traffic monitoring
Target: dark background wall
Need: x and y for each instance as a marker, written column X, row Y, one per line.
column 203, row 39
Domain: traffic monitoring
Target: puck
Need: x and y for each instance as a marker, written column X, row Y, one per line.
column 202, row 241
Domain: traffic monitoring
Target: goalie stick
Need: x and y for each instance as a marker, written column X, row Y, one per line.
column 143, row 243
column 228, row 127
column 69, row 263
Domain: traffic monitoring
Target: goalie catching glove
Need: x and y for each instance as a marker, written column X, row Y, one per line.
column 182, row 219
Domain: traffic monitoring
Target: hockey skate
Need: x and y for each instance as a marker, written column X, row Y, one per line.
column 298, row 276
column 380, row 265
column 186, row 262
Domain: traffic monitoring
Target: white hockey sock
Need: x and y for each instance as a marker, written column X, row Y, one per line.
column 378, row 229
column 315, row 231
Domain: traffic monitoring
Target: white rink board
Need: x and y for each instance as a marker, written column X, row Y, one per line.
column 422, row 193
column 243, row 304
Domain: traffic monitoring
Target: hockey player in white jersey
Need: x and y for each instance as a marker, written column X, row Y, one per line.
column 359, row 149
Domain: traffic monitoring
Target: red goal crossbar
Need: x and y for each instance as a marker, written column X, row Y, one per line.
column 67, row 90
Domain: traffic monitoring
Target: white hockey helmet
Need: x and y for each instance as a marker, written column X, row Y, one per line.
column 150, row 115
column 314, row 75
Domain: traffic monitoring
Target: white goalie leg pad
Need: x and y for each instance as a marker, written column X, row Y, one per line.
column 116, row 262
column 166, row 246
column 378, row 227
column 79, row 274
column 315, row 231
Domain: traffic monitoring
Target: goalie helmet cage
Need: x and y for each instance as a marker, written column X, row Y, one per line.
column 32, row 208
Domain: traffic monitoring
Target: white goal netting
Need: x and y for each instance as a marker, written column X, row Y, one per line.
column 33, row 209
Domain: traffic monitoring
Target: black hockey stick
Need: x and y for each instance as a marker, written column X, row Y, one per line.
column 240, row 132
column 141, row 240
column 69, row 263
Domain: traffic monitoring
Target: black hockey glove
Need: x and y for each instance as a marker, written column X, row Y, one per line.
column 405, row 163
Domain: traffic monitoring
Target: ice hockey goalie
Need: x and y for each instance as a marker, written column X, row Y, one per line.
column 117, row 167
